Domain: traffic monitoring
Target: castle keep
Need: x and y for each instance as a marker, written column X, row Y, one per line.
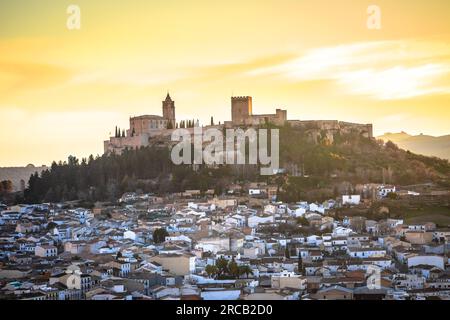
column 241, row 113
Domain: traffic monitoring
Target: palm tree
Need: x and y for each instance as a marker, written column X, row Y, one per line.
column 245, row 270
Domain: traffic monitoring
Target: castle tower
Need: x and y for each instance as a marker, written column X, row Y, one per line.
column 168, row 107
column 241, row 109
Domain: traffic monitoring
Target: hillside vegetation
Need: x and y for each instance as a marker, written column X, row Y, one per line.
column 360, row 159
column 348, row 157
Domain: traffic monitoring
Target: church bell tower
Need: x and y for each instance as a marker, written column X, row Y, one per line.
column 168, row 107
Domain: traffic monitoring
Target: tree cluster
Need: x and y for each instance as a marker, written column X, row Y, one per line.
column 224, row 268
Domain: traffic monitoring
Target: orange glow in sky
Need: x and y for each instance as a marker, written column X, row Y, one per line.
column 63, row 91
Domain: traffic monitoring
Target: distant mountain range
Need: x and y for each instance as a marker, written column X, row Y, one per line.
column 15, row 174
column 422, row 144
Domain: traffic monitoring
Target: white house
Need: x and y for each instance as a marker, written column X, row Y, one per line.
column 270, row 208
column 181, row 237
column 342, row 232
column 314, row 207
column 297, row 212
column 254, row 221
column 236, row 220
column 254, row 192
column 429, row 260
column 10, row 217
column 314, row 240
column 383, row 191
column 46, row 251
column 129, row 235
column 366, row 252
column 392, row 223
column 231, row 294
column 288, row 280
column 408, row 281
column 251, row 252
column 353, row 200
column 162, row 291
column 213, row 244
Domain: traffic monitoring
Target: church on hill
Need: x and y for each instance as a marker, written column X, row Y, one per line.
column 142, row 128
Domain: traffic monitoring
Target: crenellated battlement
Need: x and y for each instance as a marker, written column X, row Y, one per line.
column 241, row 98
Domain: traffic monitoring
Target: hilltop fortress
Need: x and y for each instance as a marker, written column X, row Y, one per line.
column 148, row 130
column 241, row 114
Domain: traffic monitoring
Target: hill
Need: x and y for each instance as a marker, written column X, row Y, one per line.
column 422, row 144
column 326, row 162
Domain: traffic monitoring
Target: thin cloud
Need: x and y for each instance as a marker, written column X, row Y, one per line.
column 385, row 70
column 396, row 83
column 19, row 76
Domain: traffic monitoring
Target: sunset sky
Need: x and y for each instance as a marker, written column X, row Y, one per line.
column 63, row 91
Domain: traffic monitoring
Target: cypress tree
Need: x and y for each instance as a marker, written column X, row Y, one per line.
column 287, row 253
